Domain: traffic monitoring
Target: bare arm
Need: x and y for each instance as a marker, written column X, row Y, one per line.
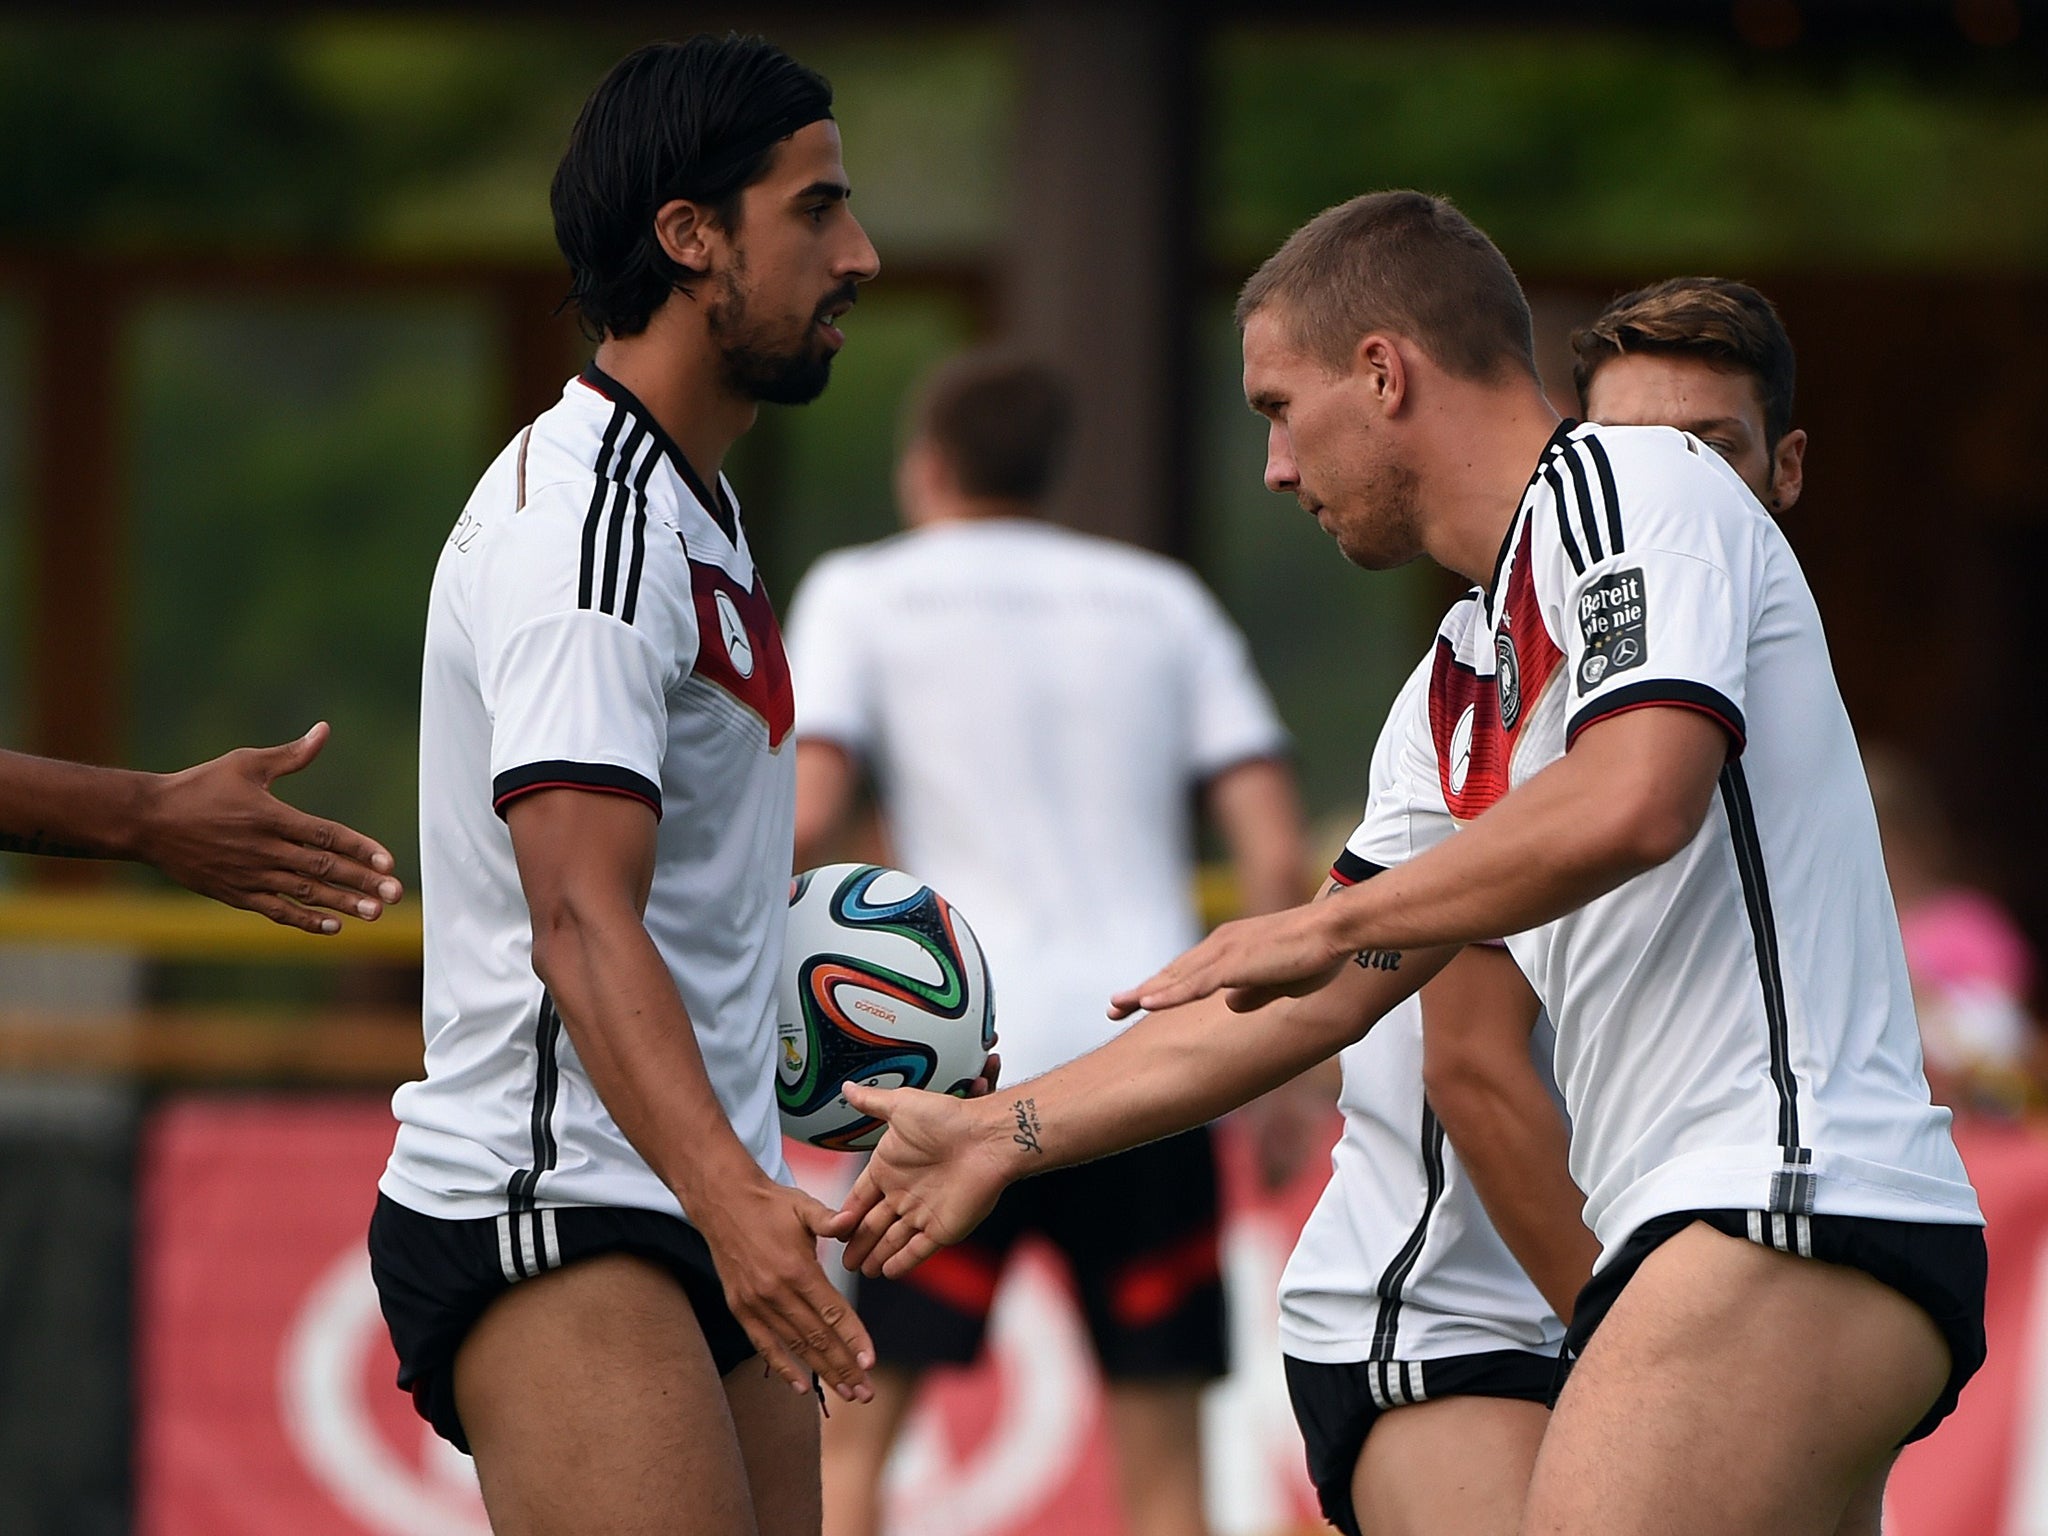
column 944, row 1161
column 586, row 861
column 827, row 777
column 215, row 829
column 1257, row 809
column 1476, row 1019
column 1629, row 795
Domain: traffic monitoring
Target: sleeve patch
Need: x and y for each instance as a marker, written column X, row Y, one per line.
column 1614, row 624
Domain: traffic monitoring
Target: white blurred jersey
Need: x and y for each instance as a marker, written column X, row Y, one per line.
column 1399, row 1261
column 1037, row 707
column 596, row 622
column 1734, row 1027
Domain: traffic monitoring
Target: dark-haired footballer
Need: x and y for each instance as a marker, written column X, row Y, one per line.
column 597, row 1276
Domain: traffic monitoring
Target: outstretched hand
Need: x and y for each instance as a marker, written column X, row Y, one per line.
column 929, row 1183
column 1252, row 962
column 217, row 829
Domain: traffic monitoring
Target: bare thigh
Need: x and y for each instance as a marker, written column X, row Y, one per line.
column 778, row 1434
column 1157, row 1428
column 1457, row 1464
column 593, row 1409
column 855, row 1445
column 1735, row 1389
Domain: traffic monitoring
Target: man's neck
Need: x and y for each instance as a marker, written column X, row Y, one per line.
column 680, row 377
column 971, row 509
column 1486, row 441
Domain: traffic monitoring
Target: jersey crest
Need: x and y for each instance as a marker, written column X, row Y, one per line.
column 1476, row 720
column 740, row 647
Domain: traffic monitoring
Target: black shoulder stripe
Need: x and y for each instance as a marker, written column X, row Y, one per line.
column 1564, row 521
column 602, row 471
column 1605, row 469
column 629, row 602
column 1587, row 518
column 637, row 441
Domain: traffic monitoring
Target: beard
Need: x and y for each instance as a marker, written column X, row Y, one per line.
column 760, row 364
column 1384, row 530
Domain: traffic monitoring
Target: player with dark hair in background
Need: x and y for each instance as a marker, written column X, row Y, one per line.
column 1630, row 756
column 1706, row 355
column 214, row 828
column 596, row 1273
column 1040, row 710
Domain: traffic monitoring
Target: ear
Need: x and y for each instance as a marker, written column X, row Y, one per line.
column 1788, row 470
column 689, row 236
column 922, row 481
column 1378, row 364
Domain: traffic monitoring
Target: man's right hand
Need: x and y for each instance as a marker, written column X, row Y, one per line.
column 935, row 1175
column 217, row 829
column 763, row 1237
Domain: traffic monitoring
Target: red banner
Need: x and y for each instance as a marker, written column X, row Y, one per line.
column 267, row 1404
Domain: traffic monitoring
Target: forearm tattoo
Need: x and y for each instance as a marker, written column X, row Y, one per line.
column 1026, row 1134
column 1377, row 959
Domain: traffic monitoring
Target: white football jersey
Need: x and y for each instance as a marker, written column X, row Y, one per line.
column 1037, row 707
column 1399, row 1263
column 1734, row 1027
column 596, row 622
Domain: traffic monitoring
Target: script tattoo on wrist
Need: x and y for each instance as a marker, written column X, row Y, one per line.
column 1026, row 1134
column 1377, row 959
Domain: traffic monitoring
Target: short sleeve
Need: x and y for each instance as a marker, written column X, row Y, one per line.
column 1232, row 717
column 576, row 676
column 1655, row 606
column 1405, row 814
column 829, row 662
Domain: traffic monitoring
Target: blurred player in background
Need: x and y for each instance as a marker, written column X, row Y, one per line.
column 1792, row 1273
column 1039, row 709
column 597, row 1277
column 215, row 829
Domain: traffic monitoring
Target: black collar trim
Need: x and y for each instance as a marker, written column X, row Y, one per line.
column 712, row 501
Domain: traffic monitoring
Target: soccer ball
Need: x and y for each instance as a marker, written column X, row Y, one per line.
column 882, row 984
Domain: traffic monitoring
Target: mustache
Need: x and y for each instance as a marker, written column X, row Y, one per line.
column 847, row 294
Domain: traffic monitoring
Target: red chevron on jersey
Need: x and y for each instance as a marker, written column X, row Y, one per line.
column 1475, row 718
column 739, row 647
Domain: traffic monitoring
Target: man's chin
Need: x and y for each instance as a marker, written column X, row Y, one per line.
column 786, row 381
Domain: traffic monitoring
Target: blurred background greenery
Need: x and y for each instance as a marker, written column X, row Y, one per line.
column 293, row 464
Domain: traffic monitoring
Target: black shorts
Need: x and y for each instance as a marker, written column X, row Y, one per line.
column 434, row 1279
column 1337, row 1405
column 1138, row 1230
column 1939, row 1267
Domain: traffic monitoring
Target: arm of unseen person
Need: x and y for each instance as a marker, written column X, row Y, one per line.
column 1631, row 793
column 939, row 1168
column 1510, row 1134
column 215, row 829
column 586, row 861
column 827, row 785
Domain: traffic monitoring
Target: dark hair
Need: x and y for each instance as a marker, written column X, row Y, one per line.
column 999, row 421
column 1404, row 262
column 1727, row 324
column 698, row 120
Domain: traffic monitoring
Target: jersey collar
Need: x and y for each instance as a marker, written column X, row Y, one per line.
column 712, row 501
column 1555, row 446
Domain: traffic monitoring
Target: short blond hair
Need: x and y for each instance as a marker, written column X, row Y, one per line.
column 1404, row 262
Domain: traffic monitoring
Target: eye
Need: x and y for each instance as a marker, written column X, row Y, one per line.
column 817, row 213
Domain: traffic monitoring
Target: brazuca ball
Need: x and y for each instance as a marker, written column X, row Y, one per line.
column 882, row 983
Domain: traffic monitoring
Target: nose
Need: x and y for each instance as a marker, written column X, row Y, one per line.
column 1281, row 475
column 860, row 263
